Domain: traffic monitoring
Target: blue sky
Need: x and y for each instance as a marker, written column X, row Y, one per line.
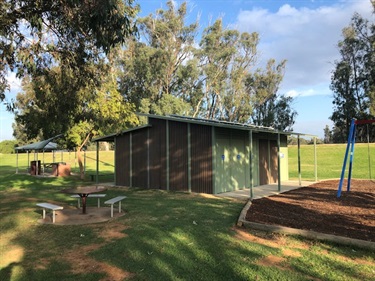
column 304, row 32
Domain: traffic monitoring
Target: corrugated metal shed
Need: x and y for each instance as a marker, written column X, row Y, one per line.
column 199, row 155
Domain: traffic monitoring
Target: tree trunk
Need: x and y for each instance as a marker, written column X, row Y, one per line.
column 79, row 156
column 80, row 163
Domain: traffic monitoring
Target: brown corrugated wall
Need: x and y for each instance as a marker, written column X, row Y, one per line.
column 178, row 156
column 201, row 158
column 139, row 159
column 158, row 154
column 122, row 162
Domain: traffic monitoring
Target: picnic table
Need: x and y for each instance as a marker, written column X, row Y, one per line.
column 83, row 192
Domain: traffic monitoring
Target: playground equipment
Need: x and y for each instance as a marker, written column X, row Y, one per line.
column 350, row 145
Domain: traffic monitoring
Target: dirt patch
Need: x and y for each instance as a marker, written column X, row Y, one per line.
column 246, row 236
column 272, row 261
column 111, row 232
column 317, row 208
column 81, row 263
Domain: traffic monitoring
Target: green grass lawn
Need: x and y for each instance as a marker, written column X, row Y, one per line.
column 330, row 158
column 162, row 236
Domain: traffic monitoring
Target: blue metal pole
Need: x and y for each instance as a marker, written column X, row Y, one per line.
column 351, row 161
column 352, row 126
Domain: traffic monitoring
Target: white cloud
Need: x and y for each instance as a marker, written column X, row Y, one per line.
column 295, row 93
column 305, row 37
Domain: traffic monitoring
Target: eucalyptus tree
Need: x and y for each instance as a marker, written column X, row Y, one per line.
column 233, row 89
column 353, row 79
column 270, row 108
column 63, row 47
column 217, row 50
column 36, row 35
column 157, row 68
column 55, row 102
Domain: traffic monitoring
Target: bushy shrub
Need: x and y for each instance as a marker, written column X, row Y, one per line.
column 7, row 146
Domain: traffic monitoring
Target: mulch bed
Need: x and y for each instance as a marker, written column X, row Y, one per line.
column 317, row 208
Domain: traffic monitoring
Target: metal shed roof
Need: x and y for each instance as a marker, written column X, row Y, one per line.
column 111, row 137
column 203, row 121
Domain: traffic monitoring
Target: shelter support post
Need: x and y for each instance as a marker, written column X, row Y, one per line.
column 278, row 163
column 97, row 162
column 315, row 161
column 115, row 158
column 299, row 160
column 17, row 163
column 251, row 163
column 167, row 152
column 131, row 159
column 214, row 165
column 189, row 156
column 148, row 159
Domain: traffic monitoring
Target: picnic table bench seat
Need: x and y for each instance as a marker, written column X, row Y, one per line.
column 49, row 206
column 114, row 201
column 92, row 195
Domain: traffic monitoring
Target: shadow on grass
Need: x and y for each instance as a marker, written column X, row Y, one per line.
column 169, row 236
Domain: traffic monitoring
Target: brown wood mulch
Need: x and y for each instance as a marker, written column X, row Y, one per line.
column 317, row 208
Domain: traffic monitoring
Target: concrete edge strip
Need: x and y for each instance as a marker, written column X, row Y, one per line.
column 305, row 233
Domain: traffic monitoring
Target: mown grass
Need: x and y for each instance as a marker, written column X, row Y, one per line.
column 330, row 158
column 164, row 236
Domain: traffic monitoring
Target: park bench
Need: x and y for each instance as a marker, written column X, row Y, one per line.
column 114, row 201
column 50, row 207
column 93, row 195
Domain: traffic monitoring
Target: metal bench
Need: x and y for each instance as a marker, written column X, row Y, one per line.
column 92, row 195
column 113, row 201
column 50, row 207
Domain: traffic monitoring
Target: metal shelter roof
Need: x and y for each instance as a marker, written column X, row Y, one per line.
column 41, row 145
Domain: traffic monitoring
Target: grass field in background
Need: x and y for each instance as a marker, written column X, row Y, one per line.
column 330, row 158
column 106, row 161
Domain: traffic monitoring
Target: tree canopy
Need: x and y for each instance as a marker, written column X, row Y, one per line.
column 215, row 78
column 353, row 79
column 36, row 35
column 81, row 79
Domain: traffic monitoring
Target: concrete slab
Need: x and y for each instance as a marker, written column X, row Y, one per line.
column 264, row 190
